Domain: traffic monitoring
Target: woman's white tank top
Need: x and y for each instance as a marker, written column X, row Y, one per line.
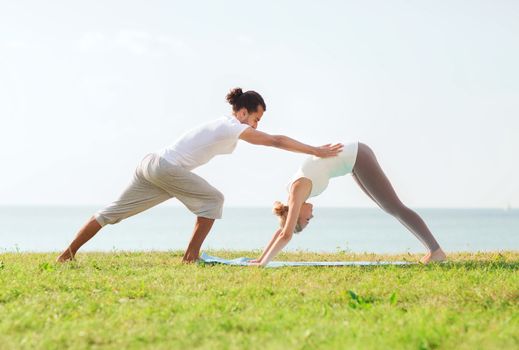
column 321, row 170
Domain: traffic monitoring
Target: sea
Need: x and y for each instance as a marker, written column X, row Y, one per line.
column 167, row 228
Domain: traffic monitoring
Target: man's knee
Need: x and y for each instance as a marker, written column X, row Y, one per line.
column 215, row 203
column 218, row 198
column 210, row 205
column 104, row 219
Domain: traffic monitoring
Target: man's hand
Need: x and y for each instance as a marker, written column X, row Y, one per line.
column 328, row 150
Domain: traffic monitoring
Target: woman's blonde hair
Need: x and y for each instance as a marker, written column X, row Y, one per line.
column 281, row 211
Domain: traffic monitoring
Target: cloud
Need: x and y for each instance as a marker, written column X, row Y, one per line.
column 20, row 45
column 175, row 46
column 91, row 41
column 245, row 39
column 136, row 42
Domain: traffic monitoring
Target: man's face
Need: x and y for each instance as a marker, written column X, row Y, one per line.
column 251, row 119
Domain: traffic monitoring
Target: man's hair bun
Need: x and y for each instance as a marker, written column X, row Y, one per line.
column 233, row 95
column 250, row 100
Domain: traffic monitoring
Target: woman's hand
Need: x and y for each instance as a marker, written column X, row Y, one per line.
column 328, row 150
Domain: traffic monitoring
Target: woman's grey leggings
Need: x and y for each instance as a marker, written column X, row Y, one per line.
column 372, row 180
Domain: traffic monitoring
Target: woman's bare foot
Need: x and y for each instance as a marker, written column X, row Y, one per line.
column 190, row 257
column 436, row 256
column 67, row 255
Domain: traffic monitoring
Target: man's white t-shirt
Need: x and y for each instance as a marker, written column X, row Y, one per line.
column 199, row 145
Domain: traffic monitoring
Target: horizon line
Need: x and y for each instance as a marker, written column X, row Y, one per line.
column 504, row 208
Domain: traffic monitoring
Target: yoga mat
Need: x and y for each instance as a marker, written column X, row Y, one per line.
column 208, row 259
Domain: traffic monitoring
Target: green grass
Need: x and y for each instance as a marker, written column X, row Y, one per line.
column 150, row 300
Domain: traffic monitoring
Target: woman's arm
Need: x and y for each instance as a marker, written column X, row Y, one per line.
column 280, row 243
column 273, row 239
column 298, row 194
column 256, row 137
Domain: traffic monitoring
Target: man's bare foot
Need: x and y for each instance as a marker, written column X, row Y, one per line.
column 437, row 256
column 67, row 255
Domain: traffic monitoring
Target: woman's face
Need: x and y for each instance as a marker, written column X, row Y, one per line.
column 305, row 215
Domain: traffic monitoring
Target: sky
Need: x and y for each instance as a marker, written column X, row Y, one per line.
column 88, row 88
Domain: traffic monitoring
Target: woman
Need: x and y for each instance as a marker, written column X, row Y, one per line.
column 312, row 179
column 167, row 174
